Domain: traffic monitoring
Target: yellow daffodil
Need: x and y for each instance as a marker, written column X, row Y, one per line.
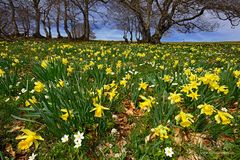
column 193, row 95
column 119, row 64
column 206, row 109
column 223, row 117
column 100, row 66
column 193, row 77
column 238, row 83
column 108, row 70
column 167, row 78
column 223, row 89
column 28, row 139
column 143, row 86
column 70, row 70
column 30, row 101
column 44, row 64
column 187, row 72
column 65, row 61
column 39, row 86
column 147, row 103
column 236, row 73
column 185, row 118
column 123, row 82
column 98, row 110
column 60, row 83
column 199, row 70
column 194, row 84
column 66, row 114
column 208, row 78
column 113, row 93
column 128, row 76
column 186, row 89
column 1, row 72
column 175, row 97
column 161, row 131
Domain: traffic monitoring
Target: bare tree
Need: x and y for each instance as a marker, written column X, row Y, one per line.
column 57, row 13
column 159, row 16
column 66, row 7
column 13, row 18
column 37, row 10
column 48, row 4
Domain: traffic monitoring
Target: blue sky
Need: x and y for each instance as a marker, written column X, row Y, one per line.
column 224, row 33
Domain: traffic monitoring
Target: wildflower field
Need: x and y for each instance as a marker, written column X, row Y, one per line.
column 111, row 100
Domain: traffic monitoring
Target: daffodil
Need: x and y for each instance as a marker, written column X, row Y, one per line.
column 206, row 109
column 175, row 97
column 223, row 89
column 113, row 93
column 167, row 78
column 185, row 118
column 161, row 131
column 108, row 70
column 100, row 66
column 44, row 64
column 143, row 86
column 66, row 114
column 236, row 73
column 70, row 70
column 193, row 95
column 238, row 83
column 123, row 82
column 60, row 83
column 147, row 103
column 30, row 101
column 98, row 110
column 1, row 72
column 39, row 86
column 194, row 84
column 65, row 61
column 28, row 139
column 128, row 76
column 193, row 77
column 223, row 117
column 186, row 89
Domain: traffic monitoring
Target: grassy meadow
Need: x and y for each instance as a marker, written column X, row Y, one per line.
column 112, row 100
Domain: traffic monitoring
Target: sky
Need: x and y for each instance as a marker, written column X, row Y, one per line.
column 224, row 33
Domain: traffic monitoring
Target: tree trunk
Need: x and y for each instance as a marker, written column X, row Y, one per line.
column 58, row 22
column 16, row 31
column 49, row 27
column 156, row 38
column 146, row 35
column 131, row 36
column 37, row 33
column 45, row 28
column 66, row 20
column 86, row 24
